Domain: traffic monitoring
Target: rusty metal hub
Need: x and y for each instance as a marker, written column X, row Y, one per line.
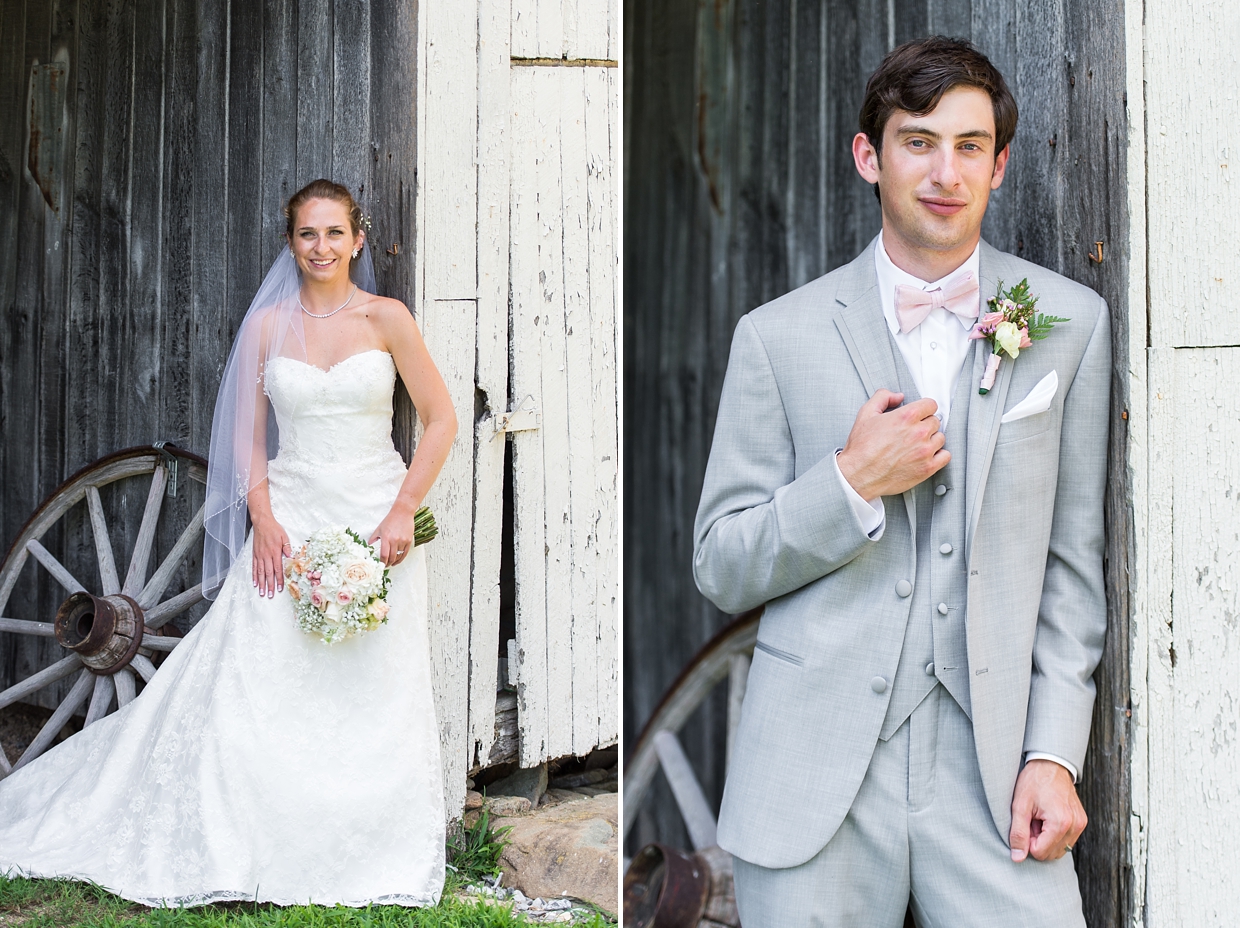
column 106, row 631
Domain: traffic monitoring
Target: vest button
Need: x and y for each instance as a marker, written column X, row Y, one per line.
column 942, row 608
column 930, row 668
column 945, row 548
column 878, row 685
column 903, row 588
column 940, row 490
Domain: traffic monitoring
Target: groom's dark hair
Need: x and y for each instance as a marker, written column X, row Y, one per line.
column 914, row 76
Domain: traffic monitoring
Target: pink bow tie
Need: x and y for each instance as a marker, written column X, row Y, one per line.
column 913, row 305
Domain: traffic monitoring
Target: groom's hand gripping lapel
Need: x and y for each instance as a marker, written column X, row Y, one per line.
column 892, row 448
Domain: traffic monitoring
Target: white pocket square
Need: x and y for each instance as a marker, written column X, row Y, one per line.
column 1038, row 400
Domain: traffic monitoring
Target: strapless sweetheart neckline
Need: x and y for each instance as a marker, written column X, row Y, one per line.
column 328, row 370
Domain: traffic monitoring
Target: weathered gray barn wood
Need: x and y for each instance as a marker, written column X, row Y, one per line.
column 739, row 187
column 130, row 254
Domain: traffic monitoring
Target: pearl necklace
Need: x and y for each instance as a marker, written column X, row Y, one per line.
column 333, row 312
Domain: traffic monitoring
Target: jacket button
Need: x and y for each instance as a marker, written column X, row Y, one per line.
column 903, row 588
column 940, row 490
column 945, row 548
column 942, row 608
column 930, row 668
column 878, row 685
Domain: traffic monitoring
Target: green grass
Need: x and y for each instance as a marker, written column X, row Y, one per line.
column 66, row 904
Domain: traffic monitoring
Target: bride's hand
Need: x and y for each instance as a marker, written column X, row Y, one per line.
column 271, row 546
column 396, row 532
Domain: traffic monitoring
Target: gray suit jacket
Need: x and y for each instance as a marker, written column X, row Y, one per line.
column 774, row 526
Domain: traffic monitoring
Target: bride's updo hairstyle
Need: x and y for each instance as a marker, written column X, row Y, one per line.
column 322, row 189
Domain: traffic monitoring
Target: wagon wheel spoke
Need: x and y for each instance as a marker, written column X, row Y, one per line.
column 26, row 627
column 103, row 546
column 125, row 688
column 169, row 609
column 135, row 579
column 694, row 809
column 144, row 667
column 43, row 740
column 159, row 581
column 54, row 567
column 101, row 699
column 57, row 671
column 164, row 643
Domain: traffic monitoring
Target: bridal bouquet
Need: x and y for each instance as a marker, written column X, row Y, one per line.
column 338, row 583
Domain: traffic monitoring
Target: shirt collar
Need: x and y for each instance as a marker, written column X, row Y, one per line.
column 889, row 276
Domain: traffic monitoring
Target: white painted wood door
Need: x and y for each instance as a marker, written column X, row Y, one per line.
column 516, row 213
column 564, row 285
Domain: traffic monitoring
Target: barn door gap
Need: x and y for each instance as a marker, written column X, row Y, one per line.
column 507, row 574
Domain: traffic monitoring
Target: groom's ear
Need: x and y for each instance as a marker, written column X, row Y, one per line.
column 865, row 157
column 1001, row 160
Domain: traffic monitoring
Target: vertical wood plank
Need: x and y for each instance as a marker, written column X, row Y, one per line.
column 315, row 89
column 448, row 201
column 449, row 327
column 494, row 178
column 602, row 143
column 281, row 142
column 581, row 659
column 352, row 157
column 1193, row 159
column 531, row 543
column 447, row 261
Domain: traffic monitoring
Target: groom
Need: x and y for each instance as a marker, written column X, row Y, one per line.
column 930, row 556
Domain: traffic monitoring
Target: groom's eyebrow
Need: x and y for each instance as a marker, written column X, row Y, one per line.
column 931, row 134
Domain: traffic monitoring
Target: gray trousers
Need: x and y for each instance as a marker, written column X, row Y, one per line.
column 919, row 832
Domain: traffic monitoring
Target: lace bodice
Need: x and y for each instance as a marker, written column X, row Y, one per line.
column 333, row 416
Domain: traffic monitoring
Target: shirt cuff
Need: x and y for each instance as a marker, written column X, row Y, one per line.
column 1038, row 755
column 872, row 517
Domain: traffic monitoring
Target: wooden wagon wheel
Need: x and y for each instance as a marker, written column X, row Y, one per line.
column 725, row 657
column 115, row 631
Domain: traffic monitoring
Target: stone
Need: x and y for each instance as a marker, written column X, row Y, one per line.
column 472, row 800
column 507, row 805
column 569, row 849
column 585, row 778
column 530, row 782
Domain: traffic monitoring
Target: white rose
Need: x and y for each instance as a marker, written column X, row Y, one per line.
column 360, row 572
column 1008, row 336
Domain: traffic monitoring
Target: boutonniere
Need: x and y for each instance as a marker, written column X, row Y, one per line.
column 1011, row 326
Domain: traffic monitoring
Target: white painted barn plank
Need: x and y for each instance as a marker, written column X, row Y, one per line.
column 1204, row 665
column 564, row 28
column 548, row 179
column 530, row 544
column 494, row 180
column 1192, row 88
column 602, row 144
column 582, row 422
column 1155, row 710
column 447, row 270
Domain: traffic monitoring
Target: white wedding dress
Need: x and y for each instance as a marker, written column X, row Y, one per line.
column 260, row 763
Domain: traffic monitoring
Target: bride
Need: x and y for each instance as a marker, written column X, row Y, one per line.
column 260, row 763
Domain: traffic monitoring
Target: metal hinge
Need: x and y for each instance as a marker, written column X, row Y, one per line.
column 521, row 419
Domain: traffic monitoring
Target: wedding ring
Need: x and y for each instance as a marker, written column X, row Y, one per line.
column 402, row 551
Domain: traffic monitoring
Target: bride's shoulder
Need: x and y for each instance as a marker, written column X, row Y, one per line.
column 389, row 313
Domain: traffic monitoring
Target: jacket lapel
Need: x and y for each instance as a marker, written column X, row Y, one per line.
column 864, row 330
column 984, row 411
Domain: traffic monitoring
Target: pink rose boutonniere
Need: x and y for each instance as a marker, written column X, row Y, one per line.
column 1011, row 326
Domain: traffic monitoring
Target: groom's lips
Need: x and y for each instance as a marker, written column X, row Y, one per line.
column 943, row 207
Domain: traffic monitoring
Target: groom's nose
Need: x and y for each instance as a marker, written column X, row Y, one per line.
column 945, row 171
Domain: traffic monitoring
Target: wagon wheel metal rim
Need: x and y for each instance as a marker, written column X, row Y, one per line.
column 725, row 657
column 141, row 595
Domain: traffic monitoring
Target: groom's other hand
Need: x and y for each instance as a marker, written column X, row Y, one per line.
column 1047, row 815
column 892, row 448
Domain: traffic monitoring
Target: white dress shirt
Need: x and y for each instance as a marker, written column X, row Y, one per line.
column 934, row 353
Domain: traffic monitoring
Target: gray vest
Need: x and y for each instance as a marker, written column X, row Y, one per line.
column 935, row 646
